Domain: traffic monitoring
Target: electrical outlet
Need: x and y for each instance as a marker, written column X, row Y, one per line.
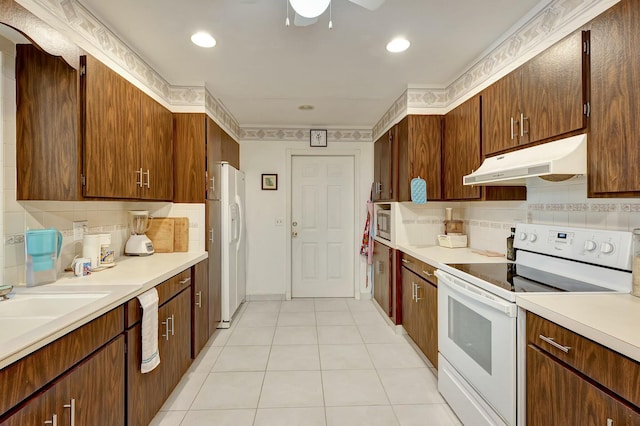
column 79, row 228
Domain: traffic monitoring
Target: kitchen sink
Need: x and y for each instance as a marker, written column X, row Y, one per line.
column 45, row 305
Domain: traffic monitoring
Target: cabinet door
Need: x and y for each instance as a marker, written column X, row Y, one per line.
column 230, row 150
column 419, row 140
column 98, row 387
column 500, row 114
column 214, row 248
column 428, row 313
column 200, row 307
column 409, row 306
column 461, row 149
column 156, row 144
column 613, row 153
column 214, row 156
column 39, row 409
column 557, row 395
column 554, row 90
column 111, row 133
column 382, row 276
column 47, row 151
column 178, row 347
column 189, row 161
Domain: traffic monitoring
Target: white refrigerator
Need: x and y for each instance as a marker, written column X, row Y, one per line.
column 232, row 235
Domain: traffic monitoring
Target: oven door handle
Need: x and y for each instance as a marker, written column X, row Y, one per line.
column 477, row 295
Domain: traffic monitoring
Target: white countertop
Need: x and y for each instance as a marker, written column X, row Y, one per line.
column 130, row 277
column 612, row 320
column 437, row 256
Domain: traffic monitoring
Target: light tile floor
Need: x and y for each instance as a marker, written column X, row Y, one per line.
column 325, row 362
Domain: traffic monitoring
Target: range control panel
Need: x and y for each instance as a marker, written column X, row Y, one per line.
column 600, row 247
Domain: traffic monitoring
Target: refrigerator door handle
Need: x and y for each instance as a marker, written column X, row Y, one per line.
column 240, row 220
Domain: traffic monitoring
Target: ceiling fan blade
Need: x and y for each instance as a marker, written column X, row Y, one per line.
column 301, row 21
column 368, row 4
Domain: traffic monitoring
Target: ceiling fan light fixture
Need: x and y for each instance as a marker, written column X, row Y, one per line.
column 310, row 8
column 203, row 39
column 397, row 45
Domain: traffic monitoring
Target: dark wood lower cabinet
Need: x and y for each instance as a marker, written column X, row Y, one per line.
column 147, row 392
column 200, row 308
column 91, row 393
column 382, row 275
column 557, row 395
column 420, row 313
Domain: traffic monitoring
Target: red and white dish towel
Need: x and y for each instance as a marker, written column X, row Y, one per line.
column 149, row 335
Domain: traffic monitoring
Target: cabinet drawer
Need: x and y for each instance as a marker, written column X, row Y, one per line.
column 26, row 376
column 166, row 291
column 612, row 370
column 420, row 268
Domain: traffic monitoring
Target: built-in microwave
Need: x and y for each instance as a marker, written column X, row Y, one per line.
column 383, row 224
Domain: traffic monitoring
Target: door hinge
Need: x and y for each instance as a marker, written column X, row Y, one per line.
column 586, row 47
column 83, row 70
column 83, row 180
column 586, row 109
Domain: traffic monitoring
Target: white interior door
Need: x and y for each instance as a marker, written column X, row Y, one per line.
column 322, row 226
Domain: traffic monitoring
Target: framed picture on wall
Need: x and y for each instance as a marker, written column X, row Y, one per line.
column 269, row 181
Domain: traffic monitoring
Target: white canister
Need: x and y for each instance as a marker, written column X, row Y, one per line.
column 91, row 249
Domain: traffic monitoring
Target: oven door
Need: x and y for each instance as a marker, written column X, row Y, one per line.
column 477, row 336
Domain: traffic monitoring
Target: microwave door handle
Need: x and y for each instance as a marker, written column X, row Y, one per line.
column 504, row 307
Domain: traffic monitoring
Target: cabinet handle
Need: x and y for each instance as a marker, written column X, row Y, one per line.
column 72, row 413
column 166, row 328
column 609, row 422
column 378, row 267
column 405, row 261
column 512, row 133
column 556, row 345
column 148, row 184
column 199, row 302
column 211, row 235
column 413, row 291
column 173, row 324
column 186, row 280
column 139, row 182
column 427, row 273
column 213, row 180
column 418, row 286
column 522, row 118
column 378, row 187
column 53, row 421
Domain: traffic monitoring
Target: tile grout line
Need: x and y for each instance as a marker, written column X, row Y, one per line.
column 264, row 377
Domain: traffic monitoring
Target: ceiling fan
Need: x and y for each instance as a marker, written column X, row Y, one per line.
column 308, row 11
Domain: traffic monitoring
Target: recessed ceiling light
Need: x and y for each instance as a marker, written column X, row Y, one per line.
column 398, row 45
column 305, row 107
column 203, row 39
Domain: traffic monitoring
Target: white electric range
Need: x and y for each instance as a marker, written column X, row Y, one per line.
column 478, row 319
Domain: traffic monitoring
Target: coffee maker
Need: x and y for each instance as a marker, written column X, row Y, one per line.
column 138, row 243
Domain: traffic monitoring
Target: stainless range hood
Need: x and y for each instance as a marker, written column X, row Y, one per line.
column 563, row 157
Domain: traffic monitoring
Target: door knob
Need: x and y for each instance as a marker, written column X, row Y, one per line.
column 294, row 234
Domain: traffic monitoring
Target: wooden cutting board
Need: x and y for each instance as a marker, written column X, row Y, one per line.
column 161, row 233
column 181, row 234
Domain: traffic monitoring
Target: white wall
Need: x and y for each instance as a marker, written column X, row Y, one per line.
column 103, row 216
column 266, row 242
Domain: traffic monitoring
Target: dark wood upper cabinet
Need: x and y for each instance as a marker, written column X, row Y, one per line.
column 461, row 149
column 385, row 161
column 189, row 158
column 48, row 149
column 199, row 144
column 613, row 154
column 156, row 144
column 419, row 139
column 543, row 99
column 111, row 113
